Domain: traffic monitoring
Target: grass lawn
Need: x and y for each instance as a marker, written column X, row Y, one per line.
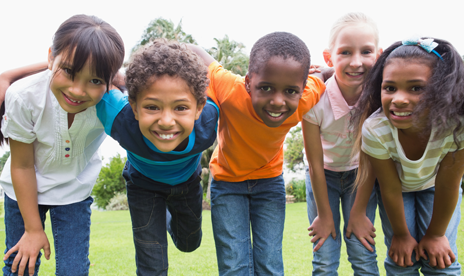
column 112, row 250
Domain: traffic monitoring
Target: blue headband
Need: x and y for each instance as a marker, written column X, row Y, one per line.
column 427, row 44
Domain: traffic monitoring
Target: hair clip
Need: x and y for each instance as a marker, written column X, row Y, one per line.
column 427, row 44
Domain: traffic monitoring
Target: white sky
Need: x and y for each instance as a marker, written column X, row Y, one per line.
column 27, row 27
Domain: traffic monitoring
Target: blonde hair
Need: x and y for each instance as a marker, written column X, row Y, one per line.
column 349, row 19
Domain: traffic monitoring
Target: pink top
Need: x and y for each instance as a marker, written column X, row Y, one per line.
column 332, row 114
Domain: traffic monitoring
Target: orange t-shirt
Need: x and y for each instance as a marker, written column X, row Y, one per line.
column 247, row 148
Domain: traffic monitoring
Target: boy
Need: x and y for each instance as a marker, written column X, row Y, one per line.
column 256, row 113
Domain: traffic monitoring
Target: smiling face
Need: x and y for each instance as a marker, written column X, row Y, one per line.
column 353, row 54
column 166, row 111
column 76, row 95
column 276, row 89
column 402, row 86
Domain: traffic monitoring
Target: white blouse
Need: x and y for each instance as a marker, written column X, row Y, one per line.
column 67, row 162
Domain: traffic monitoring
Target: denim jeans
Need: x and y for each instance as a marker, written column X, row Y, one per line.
column 176, row 210
column 71, row 234
column 327, row 259
column 237, row 205
column 418, row 209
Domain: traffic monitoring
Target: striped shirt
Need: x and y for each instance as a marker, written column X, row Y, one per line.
column 332, row 114
column 380, row 140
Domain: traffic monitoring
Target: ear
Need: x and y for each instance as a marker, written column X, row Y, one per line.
column 327, row 57
column 133, row 105
column 199, row 110
column 247, row 83
column 379, row 52
column 50, row 59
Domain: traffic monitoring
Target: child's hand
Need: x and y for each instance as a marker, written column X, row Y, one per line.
column 321, row 229
column 438, row 251
column 314, row 69
column 401, row 249
column 361, row 226
column 28, row 249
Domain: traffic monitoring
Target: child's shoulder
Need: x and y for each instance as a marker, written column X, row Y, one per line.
column 31, row 84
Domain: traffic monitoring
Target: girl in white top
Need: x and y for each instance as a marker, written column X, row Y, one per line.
column 413, row 140
column 51, row 124
column 353, row 50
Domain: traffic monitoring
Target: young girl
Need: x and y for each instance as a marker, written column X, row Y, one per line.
column 54, row 133
column 413, row 140
column 353, row 49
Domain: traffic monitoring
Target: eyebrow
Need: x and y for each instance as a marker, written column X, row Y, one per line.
column 408, row 81
column 158, row 100
column 270, row 84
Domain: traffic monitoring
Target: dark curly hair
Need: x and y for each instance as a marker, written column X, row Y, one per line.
column 163, row 57
column 282, row 44
column 442, row 98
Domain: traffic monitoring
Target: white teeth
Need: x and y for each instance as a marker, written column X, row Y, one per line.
column 166, row 136
column 73, row 100
column 355, row 74
column 402, row 114
column 274, row 114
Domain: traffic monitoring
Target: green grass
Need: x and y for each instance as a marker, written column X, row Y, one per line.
column 112, row 250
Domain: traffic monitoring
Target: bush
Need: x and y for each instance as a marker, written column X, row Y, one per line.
column 297, row 188
column 118, row 202
column 110, row 182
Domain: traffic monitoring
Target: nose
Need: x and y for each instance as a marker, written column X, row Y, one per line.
column 356, row 60
column 167, row 120
column 77, row 89
column 278, row 99
column 400, row 98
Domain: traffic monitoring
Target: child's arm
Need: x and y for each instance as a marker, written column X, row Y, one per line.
column 10, row 76
column 403, row 244
column 25, row 187
column 447, row 185
column 323, row 225
column 207, row 58
column 359, row 224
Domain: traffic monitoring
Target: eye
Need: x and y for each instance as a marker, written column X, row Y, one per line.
column 96, row 81
column 345, row 53
column 367, row 52
column 417, row 88
column 181, row 108
column 266, row 88
column 67, row 71
column 389, row 88
column 291, row 91
column 151, row 107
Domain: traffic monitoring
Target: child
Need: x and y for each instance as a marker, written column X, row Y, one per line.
column 256, row 113
column 353, row 49
column 413, row 140
column 167, row 94
column 54, row 134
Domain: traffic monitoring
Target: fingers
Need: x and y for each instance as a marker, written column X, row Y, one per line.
column 420, row 253
column 348, row 232
column 452, row 256
column 31, row 266
column 319, row 244
column 11, row 251
column 366, row 244
column 46, row 249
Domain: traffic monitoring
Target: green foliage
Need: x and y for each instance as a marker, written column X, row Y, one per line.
column 229, row 54
column 110, row 181
column 3, row 160
column 205, row 158
column 297, row 188
column 293, row 154
column 163, row 28
column 118, row 202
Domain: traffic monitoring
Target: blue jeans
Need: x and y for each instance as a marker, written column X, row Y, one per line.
column 176, row 210
column 237, row 205
column 71, row 234
column 418, row 209
column 327, row 259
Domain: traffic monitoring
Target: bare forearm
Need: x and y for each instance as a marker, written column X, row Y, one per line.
column 363, row 195
column 25, row 187
column 207, row 58
column 446, row 198
column 19, row 73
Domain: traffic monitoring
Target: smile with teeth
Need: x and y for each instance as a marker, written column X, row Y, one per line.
column 354, row 74
column 167, row 136
column 401, row 114
column 74, row 101
column 275, row 115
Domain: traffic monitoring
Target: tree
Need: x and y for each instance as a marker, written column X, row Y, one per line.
column 229, row 54
column 110, row 181
column 293, row 154
column 163, row 28
column 3, row 160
